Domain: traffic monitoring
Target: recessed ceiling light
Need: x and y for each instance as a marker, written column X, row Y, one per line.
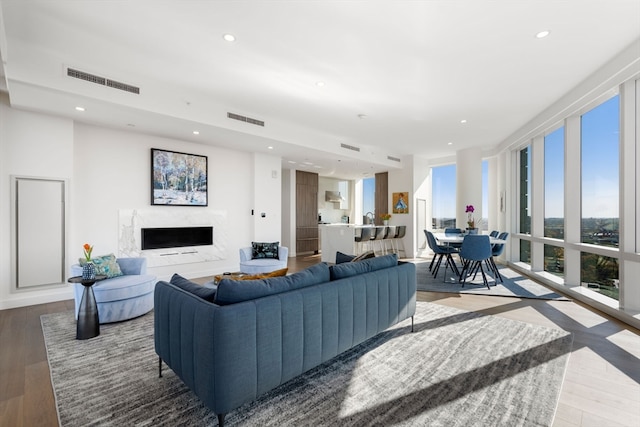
column 229, row 37
column 319, row 84
column 463, row 121
column 307, row 163
column 270, row 147
column 449, row 143
column 292, row 162
column 79, row 108
column 317, row 166
column 195, row 132
column 543, row 34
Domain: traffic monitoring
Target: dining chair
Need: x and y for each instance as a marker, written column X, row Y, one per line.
column 441, row 252
column 476, row 248
column 494, row 233
column 496, row 250
column 453, row 231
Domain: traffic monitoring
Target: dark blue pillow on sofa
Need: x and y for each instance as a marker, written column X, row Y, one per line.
column 207, row 294
column 233, row 291
column 348, row 269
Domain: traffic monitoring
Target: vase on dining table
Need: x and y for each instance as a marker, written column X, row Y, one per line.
column 385, row 222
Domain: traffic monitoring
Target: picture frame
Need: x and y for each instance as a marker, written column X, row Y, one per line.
column 178, row 179
column 400, row 202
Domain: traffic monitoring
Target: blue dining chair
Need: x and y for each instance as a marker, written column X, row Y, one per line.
column 494, row 233
column 476, row 248
column 453, row 231
column 496, row 250
column 441, row 252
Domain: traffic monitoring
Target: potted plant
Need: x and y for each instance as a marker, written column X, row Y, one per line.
column 470, row 220
column 385, row 218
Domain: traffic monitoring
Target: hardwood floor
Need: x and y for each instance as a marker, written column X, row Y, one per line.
column 601, row 386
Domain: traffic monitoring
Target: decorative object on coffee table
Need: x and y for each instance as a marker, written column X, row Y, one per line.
column 88, row 324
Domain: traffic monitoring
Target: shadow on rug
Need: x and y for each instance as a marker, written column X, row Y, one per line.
column 457, row 368
column 514, row 284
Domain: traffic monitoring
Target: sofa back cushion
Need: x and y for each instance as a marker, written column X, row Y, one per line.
column 233, row 291
column 207, row 294
column 348, row 269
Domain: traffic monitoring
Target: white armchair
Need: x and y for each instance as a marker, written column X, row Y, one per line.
column 262, row 265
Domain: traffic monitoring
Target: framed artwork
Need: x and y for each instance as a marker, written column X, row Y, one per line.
column 178, row 179
column 400, row 203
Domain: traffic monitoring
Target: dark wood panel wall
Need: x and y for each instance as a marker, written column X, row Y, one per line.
column 382, row 196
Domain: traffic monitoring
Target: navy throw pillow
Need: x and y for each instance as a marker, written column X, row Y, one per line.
column 264, row 250
column 207, row 294
column 340, row 257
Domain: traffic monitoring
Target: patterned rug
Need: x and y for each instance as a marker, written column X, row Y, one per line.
column 514, row 284
column 457, row 368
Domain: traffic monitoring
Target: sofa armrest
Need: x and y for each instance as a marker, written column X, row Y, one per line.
column 245, row 253
column 130, row 266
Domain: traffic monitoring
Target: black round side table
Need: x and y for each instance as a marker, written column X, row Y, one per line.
column 88, row 325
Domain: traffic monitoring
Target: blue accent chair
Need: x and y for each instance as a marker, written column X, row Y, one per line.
column 123, row 297
column 262, row 265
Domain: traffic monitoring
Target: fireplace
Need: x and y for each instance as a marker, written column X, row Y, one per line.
column 176, row 237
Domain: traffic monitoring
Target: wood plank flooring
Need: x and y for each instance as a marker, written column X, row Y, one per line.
column 601, row 386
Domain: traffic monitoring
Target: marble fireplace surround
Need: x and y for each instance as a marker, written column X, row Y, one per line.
column 131, row 221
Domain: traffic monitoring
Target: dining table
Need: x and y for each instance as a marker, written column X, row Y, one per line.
column 453, row 238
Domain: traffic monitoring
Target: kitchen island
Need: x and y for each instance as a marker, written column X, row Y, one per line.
column 339, row 238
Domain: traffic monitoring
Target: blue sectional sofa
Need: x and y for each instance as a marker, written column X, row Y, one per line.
column 232, row 344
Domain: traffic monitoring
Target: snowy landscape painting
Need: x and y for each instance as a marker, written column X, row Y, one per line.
column 178, row 179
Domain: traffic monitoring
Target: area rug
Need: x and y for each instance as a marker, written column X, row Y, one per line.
column 514, row 284
column 457, row 368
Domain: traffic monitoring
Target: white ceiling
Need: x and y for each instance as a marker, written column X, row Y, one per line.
column 415, row 69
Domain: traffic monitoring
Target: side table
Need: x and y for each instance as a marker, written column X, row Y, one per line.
column 88, row 325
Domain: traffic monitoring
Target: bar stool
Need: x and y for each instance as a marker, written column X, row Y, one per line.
column 380, row 234
column 366, row 234
column 401, row 230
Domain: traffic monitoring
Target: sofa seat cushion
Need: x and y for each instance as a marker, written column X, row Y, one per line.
column 124, row 287
column 233, row 291
column 348, row 269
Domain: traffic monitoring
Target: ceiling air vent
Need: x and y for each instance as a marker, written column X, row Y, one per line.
column 99, row 80
column 350, row 147
column 245, row 119
column 394, row 159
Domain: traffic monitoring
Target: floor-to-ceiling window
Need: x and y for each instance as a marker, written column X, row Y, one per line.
column 554, row 200
column 524, row 205
column 443, row 193
column 368, row 197
column 600, row 221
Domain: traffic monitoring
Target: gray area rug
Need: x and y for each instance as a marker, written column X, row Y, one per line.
column 514, row 284
column 457, row 368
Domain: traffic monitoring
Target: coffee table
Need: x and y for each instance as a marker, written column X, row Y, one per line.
column 88, row 325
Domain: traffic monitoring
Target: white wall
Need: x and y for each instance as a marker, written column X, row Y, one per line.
column 267, row 193
column 109, row 170
column 30, row 145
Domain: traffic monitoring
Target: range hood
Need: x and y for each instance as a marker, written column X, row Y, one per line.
column 333, row 196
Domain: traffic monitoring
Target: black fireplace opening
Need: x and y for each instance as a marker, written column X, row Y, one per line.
column 176, row 237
